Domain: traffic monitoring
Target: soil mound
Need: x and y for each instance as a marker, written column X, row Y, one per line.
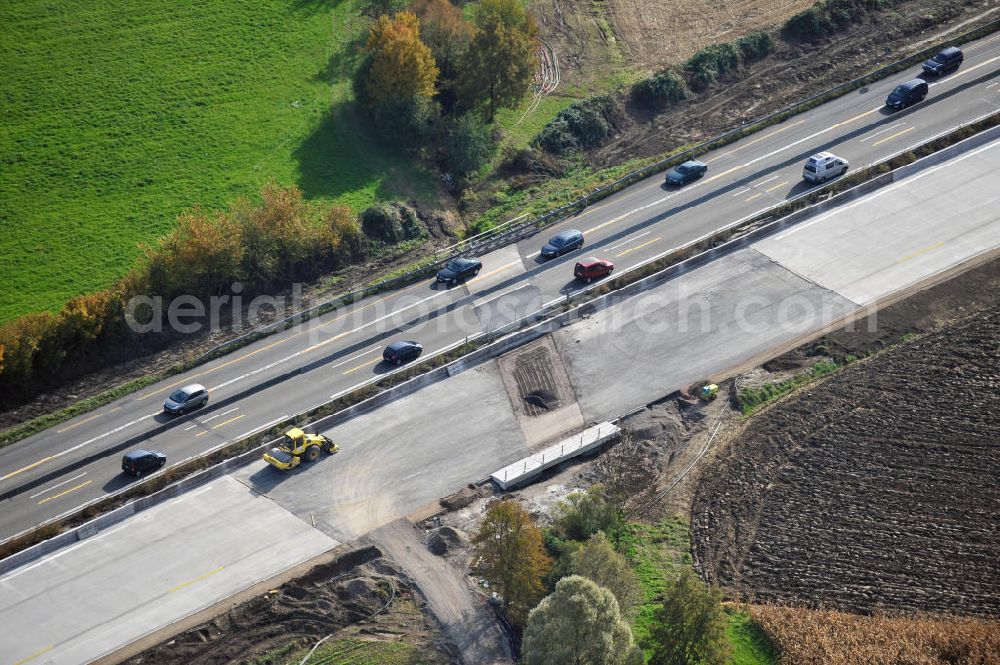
column 446, row 539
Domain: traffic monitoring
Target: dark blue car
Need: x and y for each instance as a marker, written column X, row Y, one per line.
column 398, row 353
column 563, row 242
column 459, row 270
column 686, row 172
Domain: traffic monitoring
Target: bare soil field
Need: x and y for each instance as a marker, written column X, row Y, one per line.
column 824, row 637
column 876, row 489
column 363, row 600
column 656, row 34
column 792, row 72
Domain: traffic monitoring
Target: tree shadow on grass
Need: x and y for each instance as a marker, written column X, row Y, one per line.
column 342, row 156
column 332, row 158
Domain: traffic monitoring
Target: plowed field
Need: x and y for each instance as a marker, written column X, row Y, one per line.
column 875, row 490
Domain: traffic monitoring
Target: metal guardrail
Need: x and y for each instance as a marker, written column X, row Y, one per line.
column 514, row 230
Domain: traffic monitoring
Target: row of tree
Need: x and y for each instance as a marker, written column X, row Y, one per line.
column 432, row 78
column 262, row 246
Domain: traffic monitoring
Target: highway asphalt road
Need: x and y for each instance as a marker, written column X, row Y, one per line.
column 102, row 593
column 67, row 465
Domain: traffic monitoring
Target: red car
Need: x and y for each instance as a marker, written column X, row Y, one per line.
column 592, row 268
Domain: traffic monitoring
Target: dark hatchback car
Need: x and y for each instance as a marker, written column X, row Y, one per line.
column 139, row 462
column 907, row 94
column 459, row 270
column 686, row 172
column 946, row 60
column 186, row 399
column 398, row 353
column 592, row 268
column 563, row 242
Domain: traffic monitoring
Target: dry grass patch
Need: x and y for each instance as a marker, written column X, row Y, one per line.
column 826, row 637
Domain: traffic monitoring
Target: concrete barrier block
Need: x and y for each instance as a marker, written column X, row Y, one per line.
column 528, row 468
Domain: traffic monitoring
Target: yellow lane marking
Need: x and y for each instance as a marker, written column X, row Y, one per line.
column 892, row 136
column 36, row 654
column 85, row 420
column 27, row 468
column 857, row 117
column 766, row 136
column 755, row 196
column 115, row 408
column 220, row 425
column 724, row 173
column 632, row 249
column 780, row 184
column 196, row 580
column 64, row 493
column 975, row 46
column 493, row 272
column 354, row 369
column 280, row 341
column 923, row 250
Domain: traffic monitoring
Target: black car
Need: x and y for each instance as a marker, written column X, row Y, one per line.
column 946, row 60
column 907, row 94
column 459, row 270
column 563, row 242
column 686, row 172
column 141, row 461
column 398, row 353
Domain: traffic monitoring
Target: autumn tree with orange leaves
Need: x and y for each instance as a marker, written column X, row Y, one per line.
column 511, row 555
column 402, row 66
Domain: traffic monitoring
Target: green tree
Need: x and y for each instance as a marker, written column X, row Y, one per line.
column 502, row 57
column 400, row 66
column 579, row 624
column 469, row 144
column 598, row 561
column 446, row 32
column 690, row 625
column 510, row 554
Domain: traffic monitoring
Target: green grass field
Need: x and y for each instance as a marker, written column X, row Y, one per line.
column 118, row 115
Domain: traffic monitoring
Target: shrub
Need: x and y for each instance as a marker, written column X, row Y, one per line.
column 659, row 90
column 755, row 46
column 582, row 514
column 582, row 125
column 807, row 25
column 390, row 223
column 827, row 16
column 469, row 144
column 712, row 63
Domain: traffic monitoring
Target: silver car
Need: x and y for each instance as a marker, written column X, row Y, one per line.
column 186, row 399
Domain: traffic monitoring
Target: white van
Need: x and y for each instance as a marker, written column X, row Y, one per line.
column 822, row 166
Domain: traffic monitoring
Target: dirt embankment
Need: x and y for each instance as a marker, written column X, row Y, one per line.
column 359, row 597
column 876, row 489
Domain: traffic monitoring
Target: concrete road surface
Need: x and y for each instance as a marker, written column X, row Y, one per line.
column 145, row 573
column 63, row 467
column 165, row 563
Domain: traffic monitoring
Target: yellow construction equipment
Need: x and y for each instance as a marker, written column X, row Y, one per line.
column 709, row 392
column 298, row 445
